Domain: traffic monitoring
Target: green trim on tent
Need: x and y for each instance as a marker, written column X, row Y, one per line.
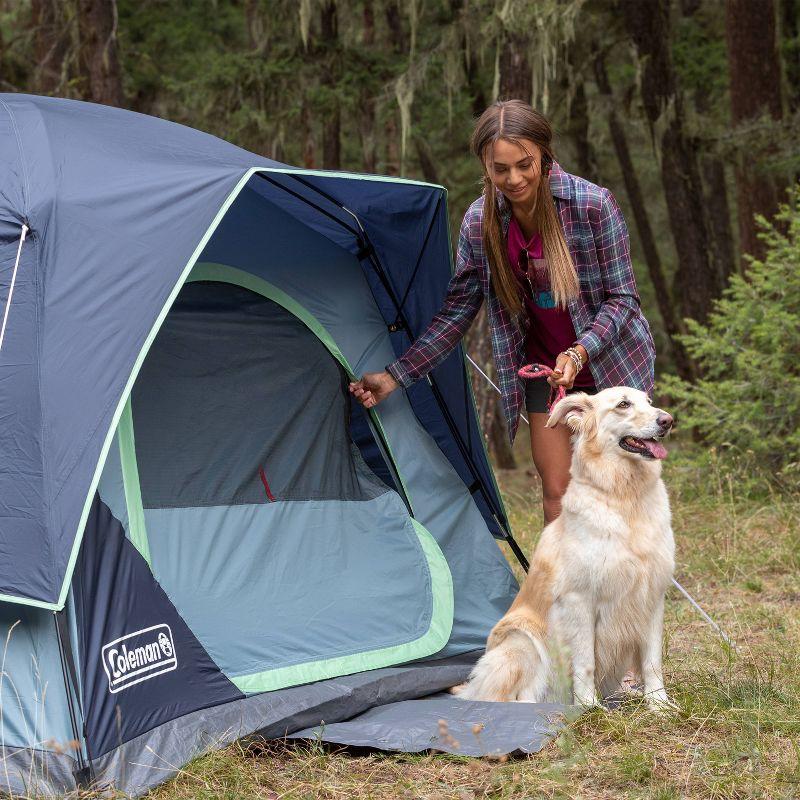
column 27, row 601
column 431, row 642
column 353, row 176
column 222, row 273
column 137, row 529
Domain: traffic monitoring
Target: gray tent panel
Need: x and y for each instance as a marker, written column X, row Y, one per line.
column 111, row 487
column 36, row 773
column 238, row 398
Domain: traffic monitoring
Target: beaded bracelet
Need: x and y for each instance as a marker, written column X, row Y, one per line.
column 575, row 356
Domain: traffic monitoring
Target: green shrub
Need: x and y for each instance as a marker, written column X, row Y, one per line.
column 748, row 400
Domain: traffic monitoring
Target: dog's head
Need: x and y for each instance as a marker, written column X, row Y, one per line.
column 620, row 423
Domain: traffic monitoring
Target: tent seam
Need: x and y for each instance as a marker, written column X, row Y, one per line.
column 25, row 180
column 42, row 426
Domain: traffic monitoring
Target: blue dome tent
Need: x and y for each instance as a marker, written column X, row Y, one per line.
column 200, row 535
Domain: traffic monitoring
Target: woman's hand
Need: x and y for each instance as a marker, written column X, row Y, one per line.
column 565, row 371
column 372, row 388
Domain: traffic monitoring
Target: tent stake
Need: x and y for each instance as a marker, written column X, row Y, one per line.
column 724, row 636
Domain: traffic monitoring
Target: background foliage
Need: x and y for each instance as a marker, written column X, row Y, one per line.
column 687, row 109
column 748, row 399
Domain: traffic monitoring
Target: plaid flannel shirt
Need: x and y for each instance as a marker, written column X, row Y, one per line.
column 606, row 314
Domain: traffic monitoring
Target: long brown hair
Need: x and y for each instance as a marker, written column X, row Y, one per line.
column 514, row 121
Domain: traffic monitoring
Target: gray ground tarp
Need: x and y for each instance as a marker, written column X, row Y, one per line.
column 443, row 722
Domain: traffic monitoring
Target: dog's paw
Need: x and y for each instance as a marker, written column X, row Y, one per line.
column 458, row 689
column 588, row 701
column 659, row 703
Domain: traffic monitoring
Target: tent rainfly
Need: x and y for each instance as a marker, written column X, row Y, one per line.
column 201, row 537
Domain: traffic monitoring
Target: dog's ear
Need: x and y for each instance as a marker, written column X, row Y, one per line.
column 576, row 411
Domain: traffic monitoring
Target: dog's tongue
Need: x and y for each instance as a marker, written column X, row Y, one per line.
column 656, row 449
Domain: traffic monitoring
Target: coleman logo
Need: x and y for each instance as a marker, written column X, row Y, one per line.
column 139, row 656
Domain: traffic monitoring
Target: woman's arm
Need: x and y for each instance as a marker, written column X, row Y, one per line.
column 445, row 331
column 621, row 301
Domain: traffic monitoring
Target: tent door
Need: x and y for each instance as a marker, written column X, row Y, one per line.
column 324, row 573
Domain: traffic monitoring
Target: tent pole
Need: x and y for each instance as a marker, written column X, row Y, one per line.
column 83, row 774
column 372, row 256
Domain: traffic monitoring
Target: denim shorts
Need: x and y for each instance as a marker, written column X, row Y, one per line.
column 537, row 394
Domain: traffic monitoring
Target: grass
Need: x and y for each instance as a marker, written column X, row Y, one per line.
column 736, row 733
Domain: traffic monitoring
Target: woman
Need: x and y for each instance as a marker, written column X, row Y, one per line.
column 549, row 252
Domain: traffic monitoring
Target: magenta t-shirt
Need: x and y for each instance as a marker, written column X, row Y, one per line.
column 550, row 331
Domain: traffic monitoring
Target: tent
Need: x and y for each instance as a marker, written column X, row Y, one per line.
column 201, row 537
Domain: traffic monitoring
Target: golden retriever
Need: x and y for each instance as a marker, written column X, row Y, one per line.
column 595, row 590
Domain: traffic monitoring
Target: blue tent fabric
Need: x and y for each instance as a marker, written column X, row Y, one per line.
column 118, row 204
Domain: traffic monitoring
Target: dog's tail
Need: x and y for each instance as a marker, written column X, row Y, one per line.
column 515, row 665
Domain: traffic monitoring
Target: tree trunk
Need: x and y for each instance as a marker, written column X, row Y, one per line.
column 697, row 282
column 719, row 215
column 755, row 90
column 331, row 126
column 368, row 104
column 256, row 33
column 578, row 131
column 398, row 41
column 392, row 163
column 516, row 80
column 99, row 63
column 487, row 400
column 50, row 46
column 394, row 24
column 712, row 170
column 790, row 32
column 427, row 162
column 472, row 71
column 307, row 136
column 673, row 325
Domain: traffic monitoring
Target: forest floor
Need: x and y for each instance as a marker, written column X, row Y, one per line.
column 736, row 733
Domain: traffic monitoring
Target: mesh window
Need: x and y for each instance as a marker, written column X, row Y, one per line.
column 238, row 402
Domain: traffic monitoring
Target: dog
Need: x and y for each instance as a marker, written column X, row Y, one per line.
column 596, row 585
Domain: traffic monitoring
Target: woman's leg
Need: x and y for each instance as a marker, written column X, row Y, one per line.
column 552, row 454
